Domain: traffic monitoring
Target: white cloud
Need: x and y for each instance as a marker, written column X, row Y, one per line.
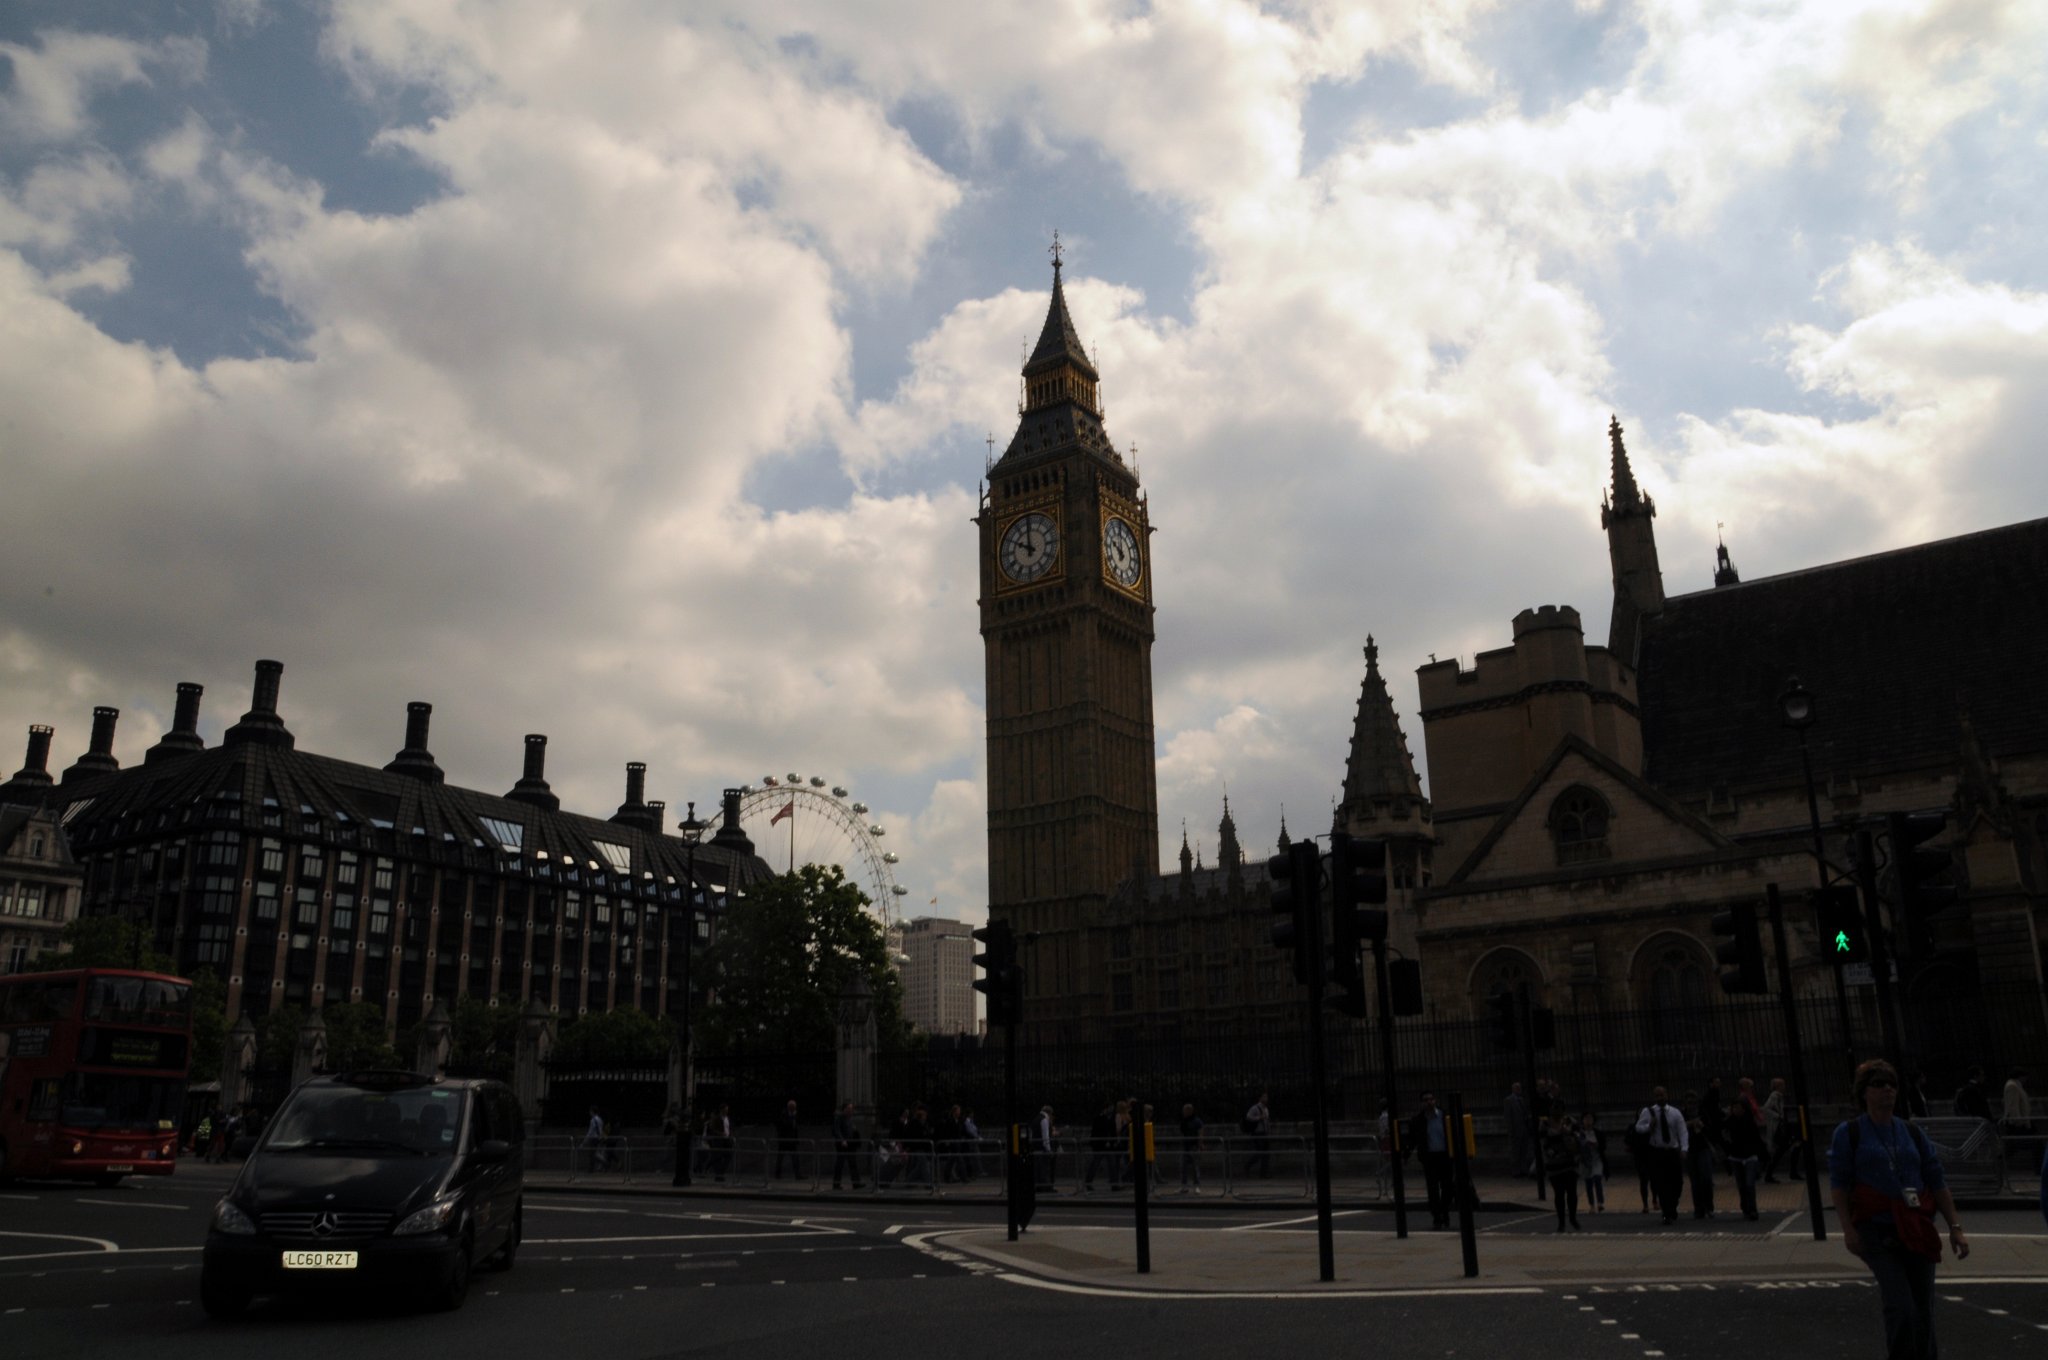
column 55, row 80
column 511, row 463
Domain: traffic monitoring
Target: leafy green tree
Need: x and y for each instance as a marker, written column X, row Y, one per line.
column 486, row 1037
column 784, row 953
column 105, row 942
column 628, row 1036
column 209, row 1024
column 356, row 1037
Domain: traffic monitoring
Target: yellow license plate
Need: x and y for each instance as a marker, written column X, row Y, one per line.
column 128, row 1166
column 319, row 1260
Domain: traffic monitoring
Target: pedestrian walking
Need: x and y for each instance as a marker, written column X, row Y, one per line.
column 1666, row 1141
column 1385, row 1130
column 1258, row 1127
column 594, row 1141
column 786, row 1135
column 718, row 1142
column 1045, row 1152
column 1744, row 1141
column 1593, row 1162
column 970, row 1137
column 1779, row 1131
column 1101, row 1147
column 1703, row 1148
column 845, row 1147
column 1515, row 1111
column 1887, row 1186
column 1558, row 1145
column 1190, row 1150
column 1913, row 1101
column 1429, row 1136
column 1972, row 1100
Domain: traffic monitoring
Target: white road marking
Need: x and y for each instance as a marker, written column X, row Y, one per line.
column 667, row 1237
column 1491, row 1227
column 134, row 1204
column 892, row 1230
column 99, row 1244
column 1785, row 1225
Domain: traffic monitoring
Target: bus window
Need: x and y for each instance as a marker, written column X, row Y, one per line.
column 138, row 1000
column 101, row 1100
column 52, row 1000
column 42, row 1100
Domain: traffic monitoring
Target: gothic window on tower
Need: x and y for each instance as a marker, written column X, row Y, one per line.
column 1578, row 826
column 1671, row 979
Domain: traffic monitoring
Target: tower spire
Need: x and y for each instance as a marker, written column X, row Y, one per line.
column 1379, row 774
column 1626, row 494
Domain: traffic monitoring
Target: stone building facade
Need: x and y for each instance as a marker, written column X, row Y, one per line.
column 301, row 879
column 937, row 969
column 39, row 880
column 1595, row 805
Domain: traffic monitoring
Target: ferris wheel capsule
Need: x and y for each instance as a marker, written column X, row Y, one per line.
column 770, row 781
column 900, row 890
column 878, row 830
column 891, row 857
column 838, row 792
column 860, row 809
column 817, row 783
column 795, row 779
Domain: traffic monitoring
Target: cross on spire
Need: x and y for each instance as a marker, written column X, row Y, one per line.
column 1055, row 249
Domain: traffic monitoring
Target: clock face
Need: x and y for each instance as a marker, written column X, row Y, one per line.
column 1030, row 546
column 1120, row 553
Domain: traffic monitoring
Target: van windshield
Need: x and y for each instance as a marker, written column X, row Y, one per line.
column 412, row 1121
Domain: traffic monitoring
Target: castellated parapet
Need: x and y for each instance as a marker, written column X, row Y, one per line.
column 1487, row 729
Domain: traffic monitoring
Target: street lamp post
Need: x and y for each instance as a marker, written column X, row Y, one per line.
column 692, row 831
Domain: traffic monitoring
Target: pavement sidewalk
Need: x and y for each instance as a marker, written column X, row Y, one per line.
column 1268, row 1261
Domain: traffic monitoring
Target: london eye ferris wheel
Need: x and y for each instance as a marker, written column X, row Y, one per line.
column 793, row 820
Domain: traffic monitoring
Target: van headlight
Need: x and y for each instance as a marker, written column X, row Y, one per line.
column 229, row 1219
column 433, row 1218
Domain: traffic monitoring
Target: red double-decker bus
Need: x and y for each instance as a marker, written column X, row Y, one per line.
column 92, row 1072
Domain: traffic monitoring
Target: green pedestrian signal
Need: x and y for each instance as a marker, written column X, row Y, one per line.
column 1838, row 913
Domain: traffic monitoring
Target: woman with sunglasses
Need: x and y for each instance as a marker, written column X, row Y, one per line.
column 1888, row 1185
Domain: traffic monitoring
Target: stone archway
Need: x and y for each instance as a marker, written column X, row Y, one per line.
column 1672, row 979
column 1501, row 970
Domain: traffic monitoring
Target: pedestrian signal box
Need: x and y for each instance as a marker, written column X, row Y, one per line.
column 1844, row 934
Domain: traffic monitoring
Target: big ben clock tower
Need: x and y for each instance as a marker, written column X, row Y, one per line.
column 1066, row 620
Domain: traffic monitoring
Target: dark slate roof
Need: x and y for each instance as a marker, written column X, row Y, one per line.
column 393, row 814
column 1891, row 646
column 1058, row 341
column 1379, row 767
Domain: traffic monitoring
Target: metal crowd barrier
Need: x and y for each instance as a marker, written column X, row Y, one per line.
column 1280, row 1167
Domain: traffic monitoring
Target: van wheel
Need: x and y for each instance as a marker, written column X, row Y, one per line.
column 222, row 1299
column 455, row 1288
column 507, row 1253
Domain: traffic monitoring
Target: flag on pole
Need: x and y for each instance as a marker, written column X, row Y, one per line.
column 788, row 810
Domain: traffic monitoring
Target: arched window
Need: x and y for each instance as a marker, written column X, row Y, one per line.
column 1504, row 970
column 1578, row 826
column 1671, row 982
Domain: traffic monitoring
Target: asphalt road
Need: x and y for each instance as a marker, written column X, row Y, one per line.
column 85, row 1271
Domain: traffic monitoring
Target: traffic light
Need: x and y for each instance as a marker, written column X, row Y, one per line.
column 1404, row 986
column 1357, row 888
column 1542, row 1028
column 1296, row 896
column 1001, row 980
column 1927, row 884
column 1503, row 1021
column 1741, row 950
column 1844, row 934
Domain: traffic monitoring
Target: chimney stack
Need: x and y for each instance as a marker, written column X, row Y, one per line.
column 416, row 760
column 533, row 785
column 34, row 773
column 261, row 723
column 99, row 759
column 633, row 812
column 183, row 738
column 730, row 834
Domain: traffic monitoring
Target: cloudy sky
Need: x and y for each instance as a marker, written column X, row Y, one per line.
column 621, row 371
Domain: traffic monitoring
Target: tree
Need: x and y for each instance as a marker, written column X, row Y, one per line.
column 356, row 1037
column 784, row 952
column 209, row 1024
column 105, row 942
column 627, row 1037
column 485, row 1036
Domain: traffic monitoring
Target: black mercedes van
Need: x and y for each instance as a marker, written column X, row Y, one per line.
column 375, row 1180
